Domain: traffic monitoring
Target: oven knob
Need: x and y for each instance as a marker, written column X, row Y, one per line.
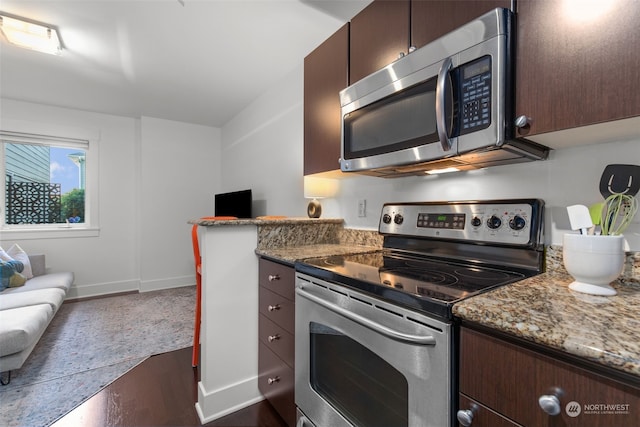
column 517, row 223
column 398, row 219
column 476, row 222
column 386, row 218
column 494, row 222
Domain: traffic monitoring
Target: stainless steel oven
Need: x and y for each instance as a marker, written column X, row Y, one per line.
column 373, row 363
column 375, row 339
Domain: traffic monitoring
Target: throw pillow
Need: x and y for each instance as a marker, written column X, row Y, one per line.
column 17, row 280
column 18, row 254
column 4, row 256
column 7, row 270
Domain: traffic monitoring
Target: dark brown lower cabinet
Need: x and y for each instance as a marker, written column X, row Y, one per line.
column 483, row 416
column 276, row 329
column 508, row 380
column 276, row 382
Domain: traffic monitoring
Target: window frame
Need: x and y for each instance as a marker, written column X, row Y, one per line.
column 18, row 131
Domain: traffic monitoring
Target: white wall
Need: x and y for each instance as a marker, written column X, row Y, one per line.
column 262, row 149
column 155, row 175
column 179, row 173
column 272, row 158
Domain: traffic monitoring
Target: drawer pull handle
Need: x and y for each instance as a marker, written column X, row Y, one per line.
column 465, row 416
column 550, row 403
column 274, row 307
column 273, row 277
column 273, row 380
column 273, row 338
column 522, row 121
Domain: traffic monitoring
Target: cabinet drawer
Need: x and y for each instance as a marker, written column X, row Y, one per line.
column 483, row 416
column 277, row 340
column 278, row 309
column 277, row 278
column 509, row 379
column 276, row 382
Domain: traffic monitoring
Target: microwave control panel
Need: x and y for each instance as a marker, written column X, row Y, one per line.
column 475, row 95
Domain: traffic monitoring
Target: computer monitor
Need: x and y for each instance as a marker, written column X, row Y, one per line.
column 236, row 203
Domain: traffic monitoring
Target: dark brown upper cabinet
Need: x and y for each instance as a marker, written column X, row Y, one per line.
column 573, row 70
column 386, row 30
column 379, row 36
column 433, row 19
column 325, row 75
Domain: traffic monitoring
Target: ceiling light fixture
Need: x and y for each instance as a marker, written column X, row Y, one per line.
column 30, row 35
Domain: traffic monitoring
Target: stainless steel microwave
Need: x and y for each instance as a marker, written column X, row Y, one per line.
column 447, row 104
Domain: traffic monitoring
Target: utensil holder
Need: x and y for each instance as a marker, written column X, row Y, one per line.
column 593, row 261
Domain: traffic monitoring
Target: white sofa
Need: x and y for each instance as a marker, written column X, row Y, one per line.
column 26, row 311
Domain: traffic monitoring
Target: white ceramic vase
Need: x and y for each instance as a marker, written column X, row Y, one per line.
column 593, row 261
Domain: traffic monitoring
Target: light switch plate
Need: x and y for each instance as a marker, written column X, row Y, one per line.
column 362, row 208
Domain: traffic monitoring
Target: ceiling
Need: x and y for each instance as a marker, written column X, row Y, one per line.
column 195, row 61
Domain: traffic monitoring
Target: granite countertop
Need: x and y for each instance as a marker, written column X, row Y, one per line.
column 292, row 254
column 266, row 220
column 542, row 309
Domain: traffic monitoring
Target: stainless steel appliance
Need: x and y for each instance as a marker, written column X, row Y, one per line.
column 375, row 338
column 447, row 104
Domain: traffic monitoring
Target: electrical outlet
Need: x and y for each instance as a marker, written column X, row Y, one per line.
column 362, row 208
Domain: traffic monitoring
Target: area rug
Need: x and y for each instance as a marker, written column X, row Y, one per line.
column 91, row 343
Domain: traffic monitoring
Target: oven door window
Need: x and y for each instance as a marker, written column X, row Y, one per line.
column 364, row 388
column 403, row 120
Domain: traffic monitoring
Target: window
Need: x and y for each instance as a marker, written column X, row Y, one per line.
column 49, row 185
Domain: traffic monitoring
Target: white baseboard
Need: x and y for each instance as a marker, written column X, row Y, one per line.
column 224, row 401
column 101, row 289
column 172, row 282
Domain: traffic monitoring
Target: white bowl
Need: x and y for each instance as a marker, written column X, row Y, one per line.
column 593, row 261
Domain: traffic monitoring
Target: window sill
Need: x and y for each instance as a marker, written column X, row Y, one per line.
column 49, row 233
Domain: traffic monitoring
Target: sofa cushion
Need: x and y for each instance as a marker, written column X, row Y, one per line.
column 38, row 267
column 53, row 296
column 20, row 327
column 62, row 280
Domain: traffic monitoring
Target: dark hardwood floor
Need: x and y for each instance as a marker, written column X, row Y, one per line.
column 161, row 391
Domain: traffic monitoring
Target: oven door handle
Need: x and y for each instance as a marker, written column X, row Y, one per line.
column 374, row 326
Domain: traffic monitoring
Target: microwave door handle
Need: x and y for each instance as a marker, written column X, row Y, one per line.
column 368, row 323
column 441, row 113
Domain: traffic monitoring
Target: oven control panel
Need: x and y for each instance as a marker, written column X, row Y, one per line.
column 517, row 222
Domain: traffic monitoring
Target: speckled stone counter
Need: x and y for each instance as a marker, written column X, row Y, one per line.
column 543, row 309
column 289, row 245
column 265, row 221
column 290, row 255
column 292, row 239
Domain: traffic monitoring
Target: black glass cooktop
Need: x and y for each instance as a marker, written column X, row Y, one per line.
column 420, row 283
